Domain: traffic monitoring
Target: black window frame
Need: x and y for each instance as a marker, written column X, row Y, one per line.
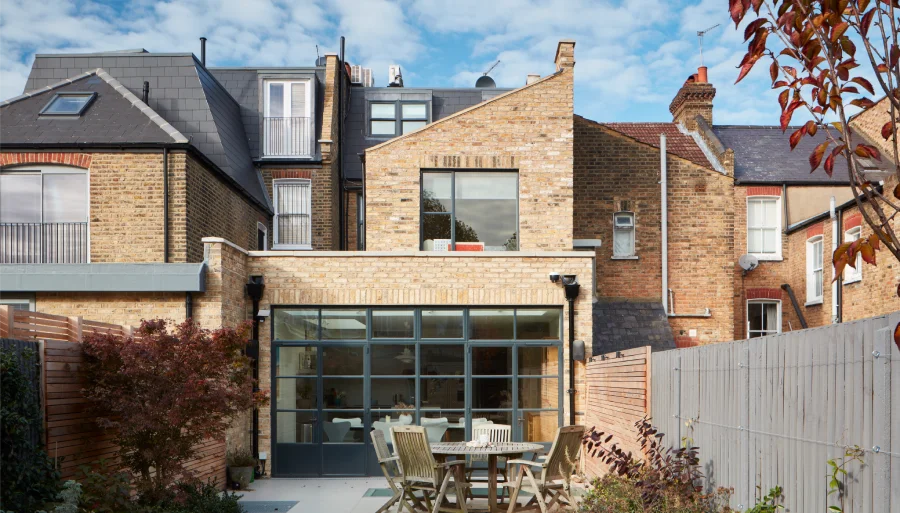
column 398, row 118
column 452, row 212
column 91, row 97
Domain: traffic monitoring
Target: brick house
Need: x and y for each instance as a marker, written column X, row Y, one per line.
column 450, row 313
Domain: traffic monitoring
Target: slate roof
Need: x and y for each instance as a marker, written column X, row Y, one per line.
column 762, row 154
column 115, row 116
column 677, row 142
column 620, row 325
column 184, row 93
column 243, row 85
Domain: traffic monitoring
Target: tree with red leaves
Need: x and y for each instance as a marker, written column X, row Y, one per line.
column 164, row 392
column 816, row 69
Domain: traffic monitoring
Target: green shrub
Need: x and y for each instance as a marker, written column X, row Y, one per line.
column 29, row 477
column 241, row 458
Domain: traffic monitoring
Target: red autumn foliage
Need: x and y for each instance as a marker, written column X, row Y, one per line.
column 814, row 62
column 163, row 391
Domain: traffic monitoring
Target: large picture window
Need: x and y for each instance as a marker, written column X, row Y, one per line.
column 470, row 211
column 44, row 215
column 764, row 227
column 814, row 270
column 293, row 214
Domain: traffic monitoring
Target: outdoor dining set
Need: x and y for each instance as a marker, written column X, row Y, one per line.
column 423, row 471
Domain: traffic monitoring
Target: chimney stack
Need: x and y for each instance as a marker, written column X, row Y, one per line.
column 695, row 98
column 203, row 51
column 532, row 78
column 565, row 54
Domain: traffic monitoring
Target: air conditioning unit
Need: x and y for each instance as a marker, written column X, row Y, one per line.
column 361, row 76
column 395, row 78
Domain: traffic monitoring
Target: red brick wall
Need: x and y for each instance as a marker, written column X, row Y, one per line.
column 614, row 172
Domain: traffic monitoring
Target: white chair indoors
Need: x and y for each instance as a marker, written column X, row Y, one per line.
column 435, row 428
column 335, row 431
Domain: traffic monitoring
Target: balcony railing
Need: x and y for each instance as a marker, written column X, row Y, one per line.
column 43, row 243
column 287, row 137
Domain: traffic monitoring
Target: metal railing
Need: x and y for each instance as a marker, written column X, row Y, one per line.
column 287, row 137
column 43, row 243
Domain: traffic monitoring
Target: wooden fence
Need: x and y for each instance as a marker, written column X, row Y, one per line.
column 772, row 411
column 618, row 395
column 69, row 430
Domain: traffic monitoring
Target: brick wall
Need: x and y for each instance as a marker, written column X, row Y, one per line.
column 614, row 173
column 126, row 204
column 214, row 209
column 324, row 217
column 529, row 129
column 408, row 278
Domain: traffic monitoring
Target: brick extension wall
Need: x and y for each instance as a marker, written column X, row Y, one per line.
column 409, row 278
column 614, row 173
column 529, row 130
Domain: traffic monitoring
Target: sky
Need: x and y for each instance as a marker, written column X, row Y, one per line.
column 631, row 55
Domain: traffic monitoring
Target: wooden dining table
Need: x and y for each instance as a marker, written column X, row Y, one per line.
column 510, row 450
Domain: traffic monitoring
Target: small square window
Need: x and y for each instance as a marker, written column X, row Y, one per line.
column 409, row 126
column 383, row 110
column 68, row 104
column 414, row 111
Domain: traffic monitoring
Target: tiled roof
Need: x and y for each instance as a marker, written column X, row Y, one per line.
column 763, row 154
column 621, row 325
column 184, row 93
column 677, row 143
column 116, row 116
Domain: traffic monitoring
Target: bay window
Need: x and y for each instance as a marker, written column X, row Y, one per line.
column 293, row 213
column 764, row 227
column 470, row 211
column 44, row 215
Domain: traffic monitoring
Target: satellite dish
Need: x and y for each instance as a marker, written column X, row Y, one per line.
column 485, row 82
column 748, row 262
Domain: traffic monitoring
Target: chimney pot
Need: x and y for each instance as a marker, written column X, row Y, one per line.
column 701, row 75
column 532, row 78
column 203, row 51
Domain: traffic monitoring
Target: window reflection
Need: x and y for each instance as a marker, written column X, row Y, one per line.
column 343, row 324
column 540, row 426
column 393, row 393
column 295, row 393
column 538, row 393
column 393, row 323
column 491, row 324
column 537, row 324
column 296, row 324
column 393, row 360
column 342, row 361
column 296, row 361
column 539, row 361
column 442, row 324
column 295, row 427
column 443, row 393
column 492, row 393
column 487, row 209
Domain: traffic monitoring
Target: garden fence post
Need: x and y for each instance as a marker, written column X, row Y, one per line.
column 884, row 356
column 746, row 486
column 6, row 321
column 75, row 333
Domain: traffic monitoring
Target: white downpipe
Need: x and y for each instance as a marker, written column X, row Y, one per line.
column 834, row 245
column 664, row 210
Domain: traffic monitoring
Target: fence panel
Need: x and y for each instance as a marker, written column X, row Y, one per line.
column 772, row 411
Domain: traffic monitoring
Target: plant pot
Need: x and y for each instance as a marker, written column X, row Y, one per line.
column 242, row 475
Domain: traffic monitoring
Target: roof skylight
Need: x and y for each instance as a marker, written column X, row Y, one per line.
column 68, row 104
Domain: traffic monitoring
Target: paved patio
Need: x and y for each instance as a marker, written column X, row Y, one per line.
column 337, row 495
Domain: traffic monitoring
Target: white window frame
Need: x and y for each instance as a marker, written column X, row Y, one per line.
column 633, row 228
column 275, row 183
column 260, row 227
column 852, row 275
column 267, row 84
column 762, row 301
column 811, row 297
column 777, row 255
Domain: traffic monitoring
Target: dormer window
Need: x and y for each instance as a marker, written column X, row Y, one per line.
column 68, row 104
column 393, row 118
column 287, row 120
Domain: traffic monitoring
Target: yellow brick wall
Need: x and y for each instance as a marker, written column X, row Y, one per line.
column 411, row 278
column 529, row 130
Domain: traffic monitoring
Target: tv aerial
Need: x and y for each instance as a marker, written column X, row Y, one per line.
column 700, row 34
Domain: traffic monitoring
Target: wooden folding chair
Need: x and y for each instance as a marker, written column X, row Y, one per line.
column 551, row 487
column 419, row 471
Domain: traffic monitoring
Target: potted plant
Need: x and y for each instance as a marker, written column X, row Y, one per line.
column 240, row 467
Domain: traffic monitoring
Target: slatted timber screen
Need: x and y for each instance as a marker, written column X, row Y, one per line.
column 772, row 411
column 69, row 430
column 618, row 395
